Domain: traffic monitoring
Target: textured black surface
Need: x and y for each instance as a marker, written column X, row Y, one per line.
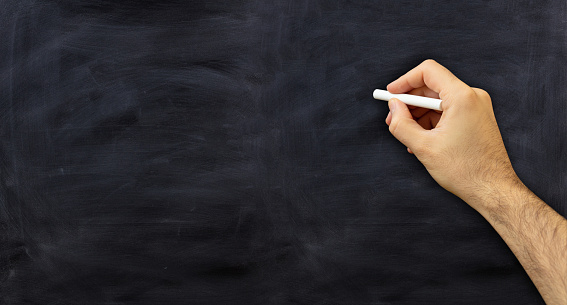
column 198, row 152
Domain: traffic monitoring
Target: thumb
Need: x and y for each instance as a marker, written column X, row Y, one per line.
column 402, row 125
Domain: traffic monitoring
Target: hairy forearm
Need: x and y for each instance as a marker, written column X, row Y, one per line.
column 535, row 233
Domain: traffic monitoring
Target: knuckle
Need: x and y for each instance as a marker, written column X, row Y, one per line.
column 429, row 62
column 469, row 95
column 482, row 94
column 467, row 98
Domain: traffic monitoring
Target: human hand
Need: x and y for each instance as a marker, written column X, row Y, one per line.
column 460, row 147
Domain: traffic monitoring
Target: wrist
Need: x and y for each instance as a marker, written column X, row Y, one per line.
column 498, row 196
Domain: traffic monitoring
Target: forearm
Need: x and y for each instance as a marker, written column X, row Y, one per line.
column 535, row 233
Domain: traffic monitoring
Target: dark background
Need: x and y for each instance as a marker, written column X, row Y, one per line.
column 199, row 152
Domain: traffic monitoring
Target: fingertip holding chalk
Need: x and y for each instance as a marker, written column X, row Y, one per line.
column 414, row 100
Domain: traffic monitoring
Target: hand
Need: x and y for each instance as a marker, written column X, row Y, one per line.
column 461, row 147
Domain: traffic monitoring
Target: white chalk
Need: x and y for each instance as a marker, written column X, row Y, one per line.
column 414, row 100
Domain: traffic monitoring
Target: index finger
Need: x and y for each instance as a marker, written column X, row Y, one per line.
column 430, row 74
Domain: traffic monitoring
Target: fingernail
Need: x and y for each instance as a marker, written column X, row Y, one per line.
column 392, row 105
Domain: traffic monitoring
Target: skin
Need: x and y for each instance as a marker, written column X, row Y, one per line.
column 463, row 151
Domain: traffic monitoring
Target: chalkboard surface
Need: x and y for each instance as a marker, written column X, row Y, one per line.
column 200, row 152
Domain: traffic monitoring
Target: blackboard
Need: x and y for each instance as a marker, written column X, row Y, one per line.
column 201, row 152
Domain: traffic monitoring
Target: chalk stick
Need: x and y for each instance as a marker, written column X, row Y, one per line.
column 414, row 100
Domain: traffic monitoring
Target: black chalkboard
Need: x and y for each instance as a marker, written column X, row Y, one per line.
column 200, row 152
